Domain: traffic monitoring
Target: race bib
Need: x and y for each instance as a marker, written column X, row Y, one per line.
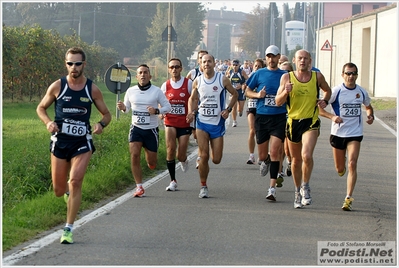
column 209, row 110
column 252, row 103
column 74, row 129
column 270, row 100
column 351, row 110
column 141, row 118
column 178, row 109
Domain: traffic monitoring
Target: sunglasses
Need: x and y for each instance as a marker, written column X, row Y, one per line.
column 77, row 63
column 350, row 73
column 235, row 64
column 174, row 67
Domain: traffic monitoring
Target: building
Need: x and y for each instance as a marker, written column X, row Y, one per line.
column 223, row 20
column 370, row 40
column 336, row 11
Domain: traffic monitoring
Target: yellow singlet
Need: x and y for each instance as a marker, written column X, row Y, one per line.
column 302, row 100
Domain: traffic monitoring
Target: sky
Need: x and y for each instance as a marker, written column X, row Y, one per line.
column 243, row 6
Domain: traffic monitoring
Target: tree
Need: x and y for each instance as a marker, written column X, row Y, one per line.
column 188, row 26
column 256, row 31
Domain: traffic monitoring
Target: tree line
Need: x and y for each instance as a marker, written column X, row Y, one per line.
column 132, row 29
column 33, row 58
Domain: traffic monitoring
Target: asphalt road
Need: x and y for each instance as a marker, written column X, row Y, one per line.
column 236, row 225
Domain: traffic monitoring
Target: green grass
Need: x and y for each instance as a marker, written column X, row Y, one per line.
column 29, row 204
column 383, row 104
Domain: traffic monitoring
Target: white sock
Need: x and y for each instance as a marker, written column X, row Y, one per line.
column 69, row 225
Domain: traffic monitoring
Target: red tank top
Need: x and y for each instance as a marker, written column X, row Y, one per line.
column 178, row 99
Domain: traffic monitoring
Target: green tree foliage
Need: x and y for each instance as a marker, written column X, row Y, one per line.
column 133, row 29
column 33, row 58
column 188, row 25
column 256, row 30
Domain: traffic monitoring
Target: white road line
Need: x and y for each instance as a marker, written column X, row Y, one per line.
column 45, row 241
column 386, row 126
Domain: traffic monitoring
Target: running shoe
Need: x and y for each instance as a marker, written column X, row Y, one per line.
column 342, row 173
column 204, row 192
column 265, row 166
column 271, row 194
column 347, row 206
column 305, row 193
column 280, row 180
column 197, row 162
column 234, row 123
column 297, row 201
column 67, row 237
column 184, row 165
column 251, row 160
column 139, row 192
column 172, row 186
column 240, row 114
column 288, row 171
column 66, row 197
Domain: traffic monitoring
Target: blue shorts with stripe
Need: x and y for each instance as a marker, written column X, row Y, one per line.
column 214, row 131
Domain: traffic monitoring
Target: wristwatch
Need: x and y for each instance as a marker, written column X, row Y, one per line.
column 229, row 109
column 102, row 124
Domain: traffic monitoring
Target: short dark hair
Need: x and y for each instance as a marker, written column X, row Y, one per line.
column 177, row 60
column 76, row 50
column 349, row 65
column 200, row 52
column 146, row 66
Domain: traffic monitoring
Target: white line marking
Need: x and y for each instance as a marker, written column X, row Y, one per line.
column 386, row 126
column 36, row 246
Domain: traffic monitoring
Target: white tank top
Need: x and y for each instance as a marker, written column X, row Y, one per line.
column 212, row 99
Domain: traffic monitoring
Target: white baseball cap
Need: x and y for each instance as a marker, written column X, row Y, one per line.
column 272, row 49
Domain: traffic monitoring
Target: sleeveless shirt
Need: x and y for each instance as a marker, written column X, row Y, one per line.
column 212, row 99
column 305, row 96
column 178, row 98
column 72, row 112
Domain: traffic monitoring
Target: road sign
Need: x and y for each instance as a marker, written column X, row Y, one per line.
column 327, row 46
column 173, row 35
column 117, row 79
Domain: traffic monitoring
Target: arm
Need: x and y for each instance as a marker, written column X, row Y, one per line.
column 188, row 75
column 370, row 114
column 41, row 110
column 192, row 103
column 164, row 103
column 326, row 88
column 124, row 105
column 332, row 117
column 102, row 108
column 284, row 89
column 234, row 96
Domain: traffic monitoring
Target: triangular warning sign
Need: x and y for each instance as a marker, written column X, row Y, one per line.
column 327, row 46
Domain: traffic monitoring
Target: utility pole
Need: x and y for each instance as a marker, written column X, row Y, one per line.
column 282, row 48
